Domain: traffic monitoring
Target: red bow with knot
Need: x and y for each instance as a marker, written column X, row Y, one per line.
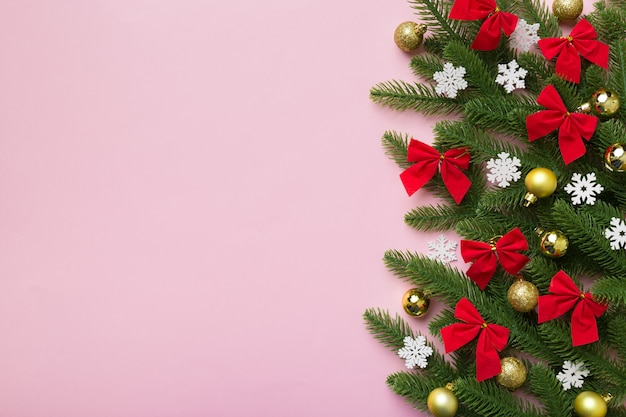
column 581, row 41
column 489, row 34
column 492, row 338
column 485, row 256
column 428, row 160
column 565, row 295
column 573, row 127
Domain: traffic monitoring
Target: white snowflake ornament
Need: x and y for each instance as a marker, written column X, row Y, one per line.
column 584, row 189
column 450, row 80
column 616, row 234
column 504, row 170
column 442, row 250
column 524, row 36
column 511, row 76
column 415, row 352
column 572, row 375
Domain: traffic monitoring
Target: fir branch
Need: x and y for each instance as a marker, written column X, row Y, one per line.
column 487, row 398
column 400, row 95
column 435, row 14
column 396, row 147
column 538, row 71
column 610, row 23
column 616, row 329
column 425, row 65
column 545, row 386
column 389, row 331
column 535, row 11
column 413, row 387
column 617, row 65
column 506, row 115
column 610, row 289
column 478, row 74
column 438, row 217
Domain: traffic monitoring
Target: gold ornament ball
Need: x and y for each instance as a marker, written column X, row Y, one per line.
column 590, row 404
column 540, row 183
column 513, row 373
column 442, row 402
column 523, row 296
column 566, row 10
column 615, row 158
column 552, row 243
column 604, row 103
column 408, row 36
column 415, row 303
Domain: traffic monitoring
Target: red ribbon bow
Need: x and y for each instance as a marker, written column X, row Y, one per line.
column 427, row 160
column 572, row 126
column 489, row 34
column 492, row 338
column 565, row 294
column 484, row 256
column 581, row 41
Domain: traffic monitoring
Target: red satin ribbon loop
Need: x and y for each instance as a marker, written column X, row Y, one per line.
column 573, row 127
column 492, row 338
column 564, row 296
column 428, row 160
column 490, row 31
column 485, row 256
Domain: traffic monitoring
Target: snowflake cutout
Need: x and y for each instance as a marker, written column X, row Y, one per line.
column 524, row 36
column 572, row 375
column 511, row 76
column 616, row 234
column 415, row 351
column 442, row 250
column 450, row 80
column 584, row 189
column 504, row 170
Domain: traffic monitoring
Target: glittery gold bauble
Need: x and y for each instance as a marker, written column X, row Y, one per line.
column 513, row 373
column 552, row 243
column 567, row 9
column 603, row 103
column 615, row 157
column 415, row 303
column 523, row 296
column 540, row 183
column 590, row 404
column 442, row 402
column 409, row 35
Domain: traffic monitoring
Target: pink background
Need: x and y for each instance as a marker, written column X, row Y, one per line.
column 195, row 206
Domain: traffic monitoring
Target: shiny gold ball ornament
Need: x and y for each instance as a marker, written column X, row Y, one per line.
column 513, row 373
column 415, row 303
column 523, row 295
column 552, row 243
column 566, row 10
column 408, row 36
column 603, row 103
column 615, row 157
column 442, row 402
column 540, row 183
column 590, row 404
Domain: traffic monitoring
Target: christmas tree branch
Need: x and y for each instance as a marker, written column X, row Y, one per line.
column 544, row 385
column 400, row 95
column 435, row 14
column 438, row 217
column 396, row 147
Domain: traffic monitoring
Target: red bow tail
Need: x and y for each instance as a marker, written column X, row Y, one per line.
column 490, row 31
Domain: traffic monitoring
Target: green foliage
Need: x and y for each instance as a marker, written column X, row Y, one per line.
column 400, row 95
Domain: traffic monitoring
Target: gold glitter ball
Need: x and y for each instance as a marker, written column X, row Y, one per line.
column 415, row 303
column 408, row 36
column 513, row 373
column 566, row 10
column 523, row 296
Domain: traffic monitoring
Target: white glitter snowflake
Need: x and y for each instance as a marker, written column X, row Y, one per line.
column 616, row 234
column 442, row 250
column 511, row 76
column 584, row 189
column 572, row 375
column 415, row 351
column 524, row 36
column 504, row 170
column 450, row 80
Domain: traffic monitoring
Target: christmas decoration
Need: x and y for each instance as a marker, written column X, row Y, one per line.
column 590, row 404
column 564, row 295
column 523, row 295
column 584, row 189
column 497, row 21
column 428, row 160
column 492, row 338
column 513, row 373
column 485, row 256
column 408, row 36
column 615, row 158
column 573, row 127
column 504, row 170
column 616, row 234
column 524, row 36
column 442, row 402
column 603, row 103
column 442, row 249
column 450, row 80
column 511, row 76
column 573, row 374
column 567, row 10
column 552, row 243
column 415, row 352
column 415, row 302
column 581, row 41
column 540, row 183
